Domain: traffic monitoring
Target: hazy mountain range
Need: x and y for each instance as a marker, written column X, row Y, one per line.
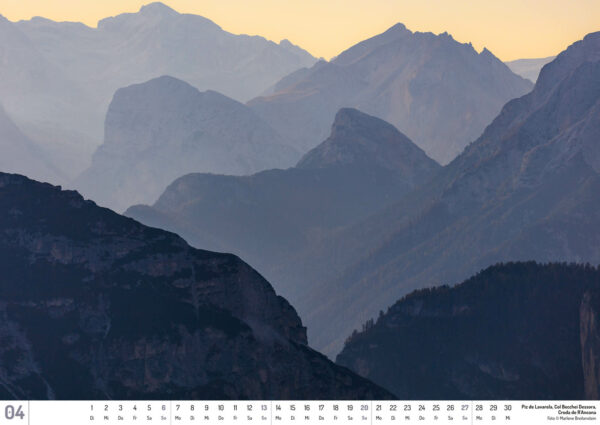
column 513, row 331
column 164, row 128
column 525, row 190
column 97, row 306
column 57, row 78
column 438, row 92
column 327, row 180
column 19, row 153
column 529, row 68
column 364, row 165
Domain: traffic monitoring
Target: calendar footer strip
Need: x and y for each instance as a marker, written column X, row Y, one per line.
column 229, row 412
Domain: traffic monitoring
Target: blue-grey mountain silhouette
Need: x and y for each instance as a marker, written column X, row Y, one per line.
column 439, row 92
column 57, row 78
column 164, row 128
column 529, row 68
column 19, row 154
column 363, row 166
column 527, row 189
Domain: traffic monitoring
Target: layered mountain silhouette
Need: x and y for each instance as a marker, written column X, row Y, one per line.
column 525, row 190
column 529, row 68
column 164, row 128
column 36, row 94
column 57, row 78
column 439, row 92
column 364, row 165
column 21, row 154
column 520, row 331
column 97, row 306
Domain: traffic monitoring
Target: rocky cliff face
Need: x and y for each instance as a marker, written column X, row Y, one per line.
column 364, row 165
column 160, row 130
column 438, row 92
column 590, row 343
column 510, row 332
column 95, row 306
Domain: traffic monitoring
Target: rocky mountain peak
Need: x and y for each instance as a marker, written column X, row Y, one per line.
column 167, row 87
column 533, row 175
column 157, row 9
column 151, row 15
column 398, row 28
column 359, row 139
column 585, row 50
column 164, row 128
column 415, row 80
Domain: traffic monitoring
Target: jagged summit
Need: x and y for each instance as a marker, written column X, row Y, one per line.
column 526, row 189
column 486, row 52
column 364, row 140
column 153, row 14
column 437, row 91
column 398, row 28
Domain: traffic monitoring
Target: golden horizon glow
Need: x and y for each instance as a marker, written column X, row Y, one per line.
column 511, row 29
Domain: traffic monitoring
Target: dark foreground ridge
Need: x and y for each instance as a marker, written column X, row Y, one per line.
column 97, row 306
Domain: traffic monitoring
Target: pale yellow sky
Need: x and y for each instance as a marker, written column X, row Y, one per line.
column 511, row 29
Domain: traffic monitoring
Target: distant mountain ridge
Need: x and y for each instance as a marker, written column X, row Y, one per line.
column 57, row 78
column 97, row 306
column 440, row 93
column 359, row 140
column 19, row 153
column 164, row 128
column 516, row 331
column 266, row 218
column 525, row 190
column 529, row 68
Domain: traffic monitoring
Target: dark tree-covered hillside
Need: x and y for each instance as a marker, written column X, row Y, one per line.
column 510, row 332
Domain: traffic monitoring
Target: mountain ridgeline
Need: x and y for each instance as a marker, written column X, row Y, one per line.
column 20, row 153
column 520, row 331
column 97, row 306
column 57, row 78
column 527, row 189
column 364, row 165
column 439, row 92
column 328, row 183
column 529, row 68
column 164, row 128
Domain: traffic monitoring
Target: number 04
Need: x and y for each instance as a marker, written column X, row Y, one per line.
column 11, row 413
